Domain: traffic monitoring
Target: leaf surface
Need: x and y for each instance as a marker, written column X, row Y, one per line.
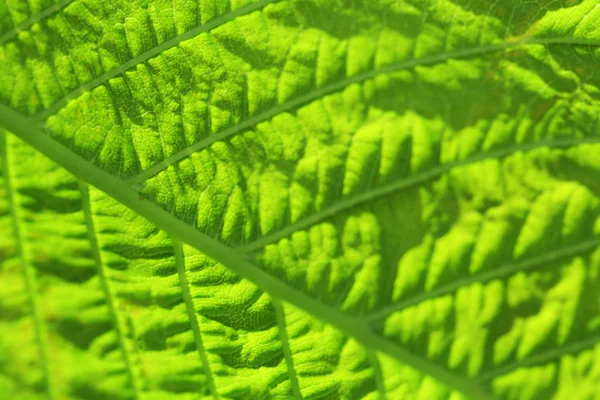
column 300, row 199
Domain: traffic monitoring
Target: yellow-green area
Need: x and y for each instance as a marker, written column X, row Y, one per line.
column 299, row 199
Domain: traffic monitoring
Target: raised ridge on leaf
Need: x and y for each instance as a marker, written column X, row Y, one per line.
column 315, row 199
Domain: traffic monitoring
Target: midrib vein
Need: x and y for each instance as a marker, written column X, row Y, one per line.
column 120, row 190
column 85, row 201
column 285, row 345
column 6, row 36
column 502, row 271
column 29, row 274
column 189, row 306
column 384, row 190
column 149, row 54
column 333, row 88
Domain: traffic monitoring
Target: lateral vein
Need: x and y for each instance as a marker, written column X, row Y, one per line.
column 85, row 200
column 377, row 374
column 41, row 116
column 499, row 272
column 540, row 358
column 28, row 271
column 8, row 35
column 285, row 345
column 327, row 90
column 349, row 202
column 189, row 306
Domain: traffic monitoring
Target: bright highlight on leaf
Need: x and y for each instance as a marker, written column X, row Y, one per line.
column 300, row 199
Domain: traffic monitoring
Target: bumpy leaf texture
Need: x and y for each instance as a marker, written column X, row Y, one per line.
column 307, row 199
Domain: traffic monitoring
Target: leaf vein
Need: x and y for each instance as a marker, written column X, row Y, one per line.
column 41, row 116
column 500, row 272
column 377, row 374
column 32, row 20
column 285, row 345
column 384, row 190
column 87, row 212
column 29, row 274
column 335, row 87
column 542, row 357
column 122, row 192
column 189, row 305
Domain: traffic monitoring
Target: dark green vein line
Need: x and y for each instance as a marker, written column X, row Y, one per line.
column 149, row 54
column 87, row 211
column 502, row 271
column 120, row 190
column 384, row 190
column 32, row 20
column 189, row 305
column 285, row 345
column 541, row 358
column 332, row 88
column 377, row 374
column 28, row 272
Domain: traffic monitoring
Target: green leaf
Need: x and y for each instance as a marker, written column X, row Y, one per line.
column 316, row 199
